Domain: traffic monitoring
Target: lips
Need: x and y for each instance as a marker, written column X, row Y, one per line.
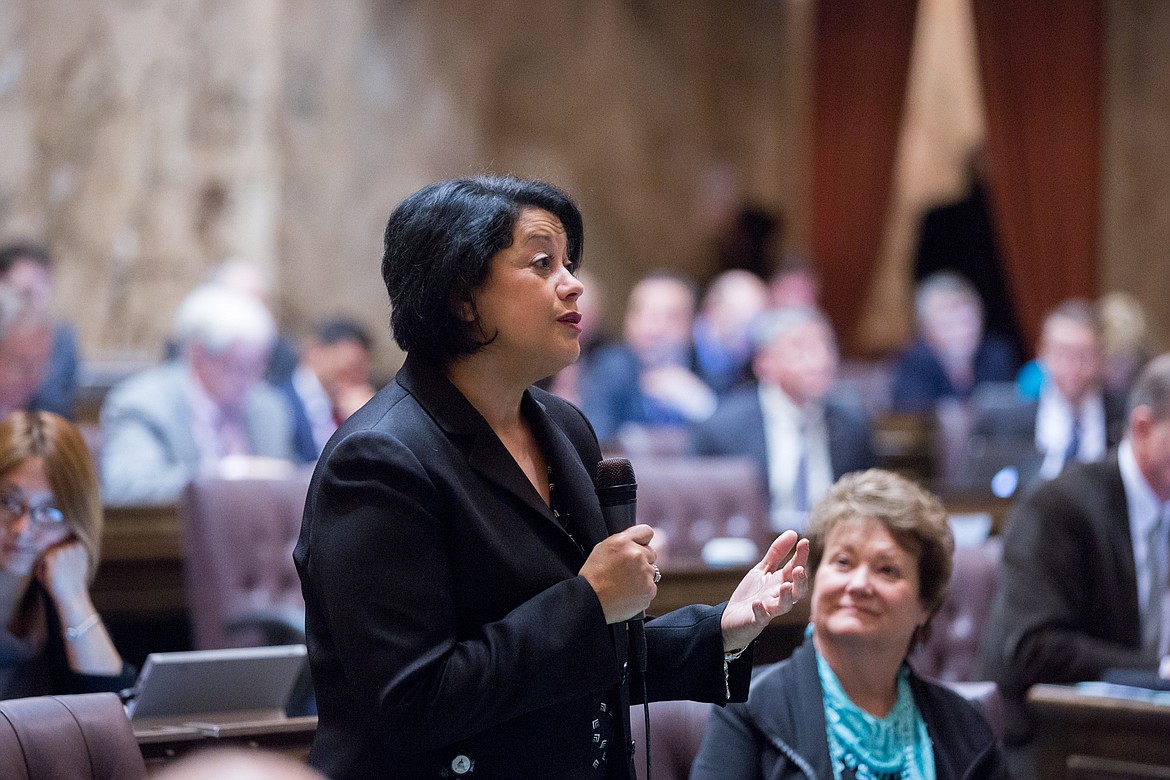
column 13, row 548
column 571, row 318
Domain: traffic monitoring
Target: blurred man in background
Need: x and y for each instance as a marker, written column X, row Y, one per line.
column 650, row 379
column 26, row 345
column 1075, row 419
column 802, row 438
column 331, row 382
column 27, row 269
column 953, row 354
column 723, row 329
column 170, row 423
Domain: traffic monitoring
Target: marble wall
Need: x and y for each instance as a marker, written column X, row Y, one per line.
column 147, row 140
column 150, row 139
column 1135, row 180
column 139, row 142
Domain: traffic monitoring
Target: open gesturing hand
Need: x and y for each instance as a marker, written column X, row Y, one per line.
column 766, row 591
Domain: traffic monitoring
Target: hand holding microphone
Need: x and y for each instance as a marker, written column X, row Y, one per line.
column 621, row 571
column 626, row 559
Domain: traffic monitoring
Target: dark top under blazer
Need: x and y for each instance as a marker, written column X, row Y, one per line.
column 780, row 733
column 1067, row 607
column 445, row 614
column 49, row 672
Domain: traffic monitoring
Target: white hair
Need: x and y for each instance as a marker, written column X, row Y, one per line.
column 216, row 317
column 780, row 322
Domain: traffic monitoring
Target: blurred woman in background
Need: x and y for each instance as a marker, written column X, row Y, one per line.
column 52, row 639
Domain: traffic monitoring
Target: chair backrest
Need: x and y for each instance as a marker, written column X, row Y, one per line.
column 676, row 732
column 80, row 736
column 238, row 537
column 868, row 382
column 953, row 421
column 693, row 500
column 637, row 440
column 951, row 653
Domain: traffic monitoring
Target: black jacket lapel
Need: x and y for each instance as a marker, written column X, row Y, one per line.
column 486, row 454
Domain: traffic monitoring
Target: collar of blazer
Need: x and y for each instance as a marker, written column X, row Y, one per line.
column 486, row 454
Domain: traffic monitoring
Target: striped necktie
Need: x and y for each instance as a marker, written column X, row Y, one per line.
column 800, row 498
column 1074, row 442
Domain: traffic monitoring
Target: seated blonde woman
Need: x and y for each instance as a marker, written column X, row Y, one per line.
column 51, row 637
column 846, row 705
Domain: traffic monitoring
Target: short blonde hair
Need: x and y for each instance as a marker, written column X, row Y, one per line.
column 69, row 469
column 913, row 516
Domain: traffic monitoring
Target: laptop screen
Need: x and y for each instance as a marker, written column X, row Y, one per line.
column 228, row 684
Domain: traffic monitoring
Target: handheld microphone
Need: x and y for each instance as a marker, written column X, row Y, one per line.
column 617, row 494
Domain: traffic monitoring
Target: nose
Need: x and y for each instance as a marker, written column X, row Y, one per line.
column 20, row 524
column 859, row 580
column 570, row 287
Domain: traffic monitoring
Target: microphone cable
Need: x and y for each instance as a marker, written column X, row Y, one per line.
column 616, row 493
column 646, row 717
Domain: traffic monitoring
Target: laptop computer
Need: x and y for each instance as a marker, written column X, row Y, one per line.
column 215, row 686
column 1003, row 467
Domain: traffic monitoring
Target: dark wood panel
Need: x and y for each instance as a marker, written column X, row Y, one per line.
column 1080, row 734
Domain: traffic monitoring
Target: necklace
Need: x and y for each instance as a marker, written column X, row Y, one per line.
column 896, row 747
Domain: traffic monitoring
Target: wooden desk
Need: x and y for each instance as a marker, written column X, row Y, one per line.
column 141, row 573
column 139, row 585
column 1082, row 736
column 961, row 502
column 698, row 584
column 290, row 736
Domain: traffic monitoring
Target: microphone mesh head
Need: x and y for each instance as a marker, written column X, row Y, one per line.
column 614, row 471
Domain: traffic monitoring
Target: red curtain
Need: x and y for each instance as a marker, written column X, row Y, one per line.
column 1041, row 64
column 862, row 55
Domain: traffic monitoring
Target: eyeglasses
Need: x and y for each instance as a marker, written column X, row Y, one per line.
column 14, row 506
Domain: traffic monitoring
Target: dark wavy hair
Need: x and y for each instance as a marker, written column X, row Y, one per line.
column 439, row 244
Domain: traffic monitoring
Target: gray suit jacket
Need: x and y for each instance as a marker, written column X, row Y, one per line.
column 149, row 452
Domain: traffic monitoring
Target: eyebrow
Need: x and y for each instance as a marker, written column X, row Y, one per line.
column 9, row 488
column 541, row 234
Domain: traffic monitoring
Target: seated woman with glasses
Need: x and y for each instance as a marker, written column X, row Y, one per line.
column 51, row 638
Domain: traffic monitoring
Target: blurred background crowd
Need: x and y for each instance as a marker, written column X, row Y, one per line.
column 822, row 237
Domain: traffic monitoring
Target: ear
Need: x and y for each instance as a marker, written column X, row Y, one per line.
column 464, row 309
column 1141, row 420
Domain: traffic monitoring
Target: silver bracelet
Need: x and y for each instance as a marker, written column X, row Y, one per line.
column 74, row 632
column 728, row 657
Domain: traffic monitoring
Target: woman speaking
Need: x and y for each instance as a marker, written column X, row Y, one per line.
column 465, row 605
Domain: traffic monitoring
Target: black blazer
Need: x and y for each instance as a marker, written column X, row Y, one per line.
column 445, row 614
column 1067, row 606
column 737, row 428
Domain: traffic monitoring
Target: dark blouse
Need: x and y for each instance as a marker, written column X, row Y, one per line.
column 48, row 672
